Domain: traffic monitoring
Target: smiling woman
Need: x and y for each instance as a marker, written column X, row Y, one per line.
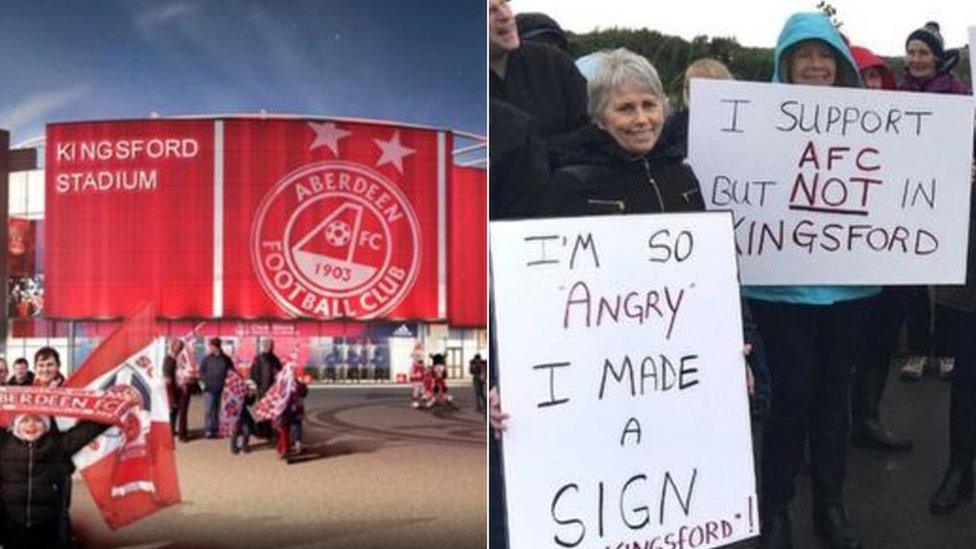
column 812, row 335
column 618, row 164
column 812, row 62
column 633, row 117
column 929, row 65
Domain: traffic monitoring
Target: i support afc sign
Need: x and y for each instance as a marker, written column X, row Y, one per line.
column 247, row 218
column 837, row 185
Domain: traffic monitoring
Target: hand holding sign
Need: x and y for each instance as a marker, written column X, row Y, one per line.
column 750, row 378
column 498, row 418
column 972, row 59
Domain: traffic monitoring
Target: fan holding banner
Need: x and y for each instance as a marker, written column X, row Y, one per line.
column 35, row 456
column 283, row 406
column 112, row 423
column 187, row 378
column 130, row 472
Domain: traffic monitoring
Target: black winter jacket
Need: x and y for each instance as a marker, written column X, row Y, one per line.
column 675, row 132
column 543, row 82
column 26, row 382
column 519, row 166
column 963, row 298
column 31, row 473
column 213, row 372
column 598, row 177
column 264, row 369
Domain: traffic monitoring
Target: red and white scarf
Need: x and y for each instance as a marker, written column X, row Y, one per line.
column 110, row 406
column 186, row 366
column 231, row 403
column 276, row 399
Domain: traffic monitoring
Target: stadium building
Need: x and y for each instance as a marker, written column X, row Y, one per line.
column 347, row 241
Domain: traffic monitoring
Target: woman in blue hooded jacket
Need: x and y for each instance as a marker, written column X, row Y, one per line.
column 812, row 336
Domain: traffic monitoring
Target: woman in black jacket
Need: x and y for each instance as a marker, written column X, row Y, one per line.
column 33, row 459
column 618, row 163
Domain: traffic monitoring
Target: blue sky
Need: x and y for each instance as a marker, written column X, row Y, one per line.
column 418, row 62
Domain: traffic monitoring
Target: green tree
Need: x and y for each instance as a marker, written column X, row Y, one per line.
column 670, row 55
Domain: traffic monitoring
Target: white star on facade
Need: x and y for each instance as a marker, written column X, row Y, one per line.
column 328, row 134
column 392, row 151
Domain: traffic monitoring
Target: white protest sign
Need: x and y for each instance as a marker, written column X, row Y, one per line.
column 972, row 57
column 619, row 345
column 836, row 185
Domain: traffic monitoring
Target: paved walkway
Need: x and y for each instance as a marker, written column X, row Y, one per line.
column 378, row 474
column 382, row 475
column 889, row 493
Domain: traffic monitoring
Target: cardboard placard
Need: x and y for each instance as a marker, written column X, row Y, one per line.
column 836, row 185
column 619, row 347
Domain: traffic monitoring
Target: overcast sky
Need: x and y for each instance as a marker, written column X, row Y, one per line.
column 882, row 25
column 419, row 62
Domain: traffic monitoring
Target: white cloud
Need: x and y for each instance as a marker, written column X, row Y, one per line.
column 182, row 25
column 291, row 62
column 163, row 14
column 273, row 52
column 35, row 108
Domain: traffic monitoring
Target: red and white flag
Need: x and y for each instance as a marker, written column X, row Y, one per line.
column 186, row 366
column 231, row 403
column 130, row 471
column 276, row 399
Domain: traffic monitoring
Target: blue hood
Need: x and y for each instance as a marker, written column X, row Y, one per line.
column 809, row 26
column 800, row 27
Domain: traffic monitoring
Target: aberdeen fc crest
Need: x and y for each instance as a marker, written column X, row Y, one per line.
column 336, row 239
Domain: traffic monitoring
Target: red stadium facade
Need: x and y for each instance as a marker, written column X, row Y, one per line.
column 345, row 240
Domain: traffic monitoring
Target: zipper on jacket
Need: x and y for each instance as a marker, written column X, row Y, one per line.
column 650, row 179
column 619, row 204
column 30, row 479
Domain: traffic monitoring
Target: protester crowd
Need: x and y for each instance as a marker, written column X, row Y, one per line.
column 599, row 137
